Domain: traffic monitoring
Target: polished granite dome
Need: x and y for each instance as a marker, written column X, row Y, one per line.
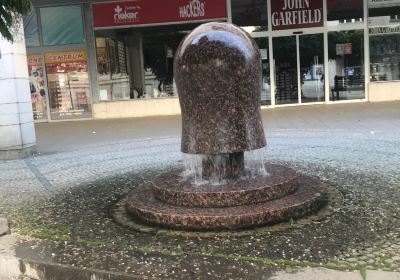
column 218, row 77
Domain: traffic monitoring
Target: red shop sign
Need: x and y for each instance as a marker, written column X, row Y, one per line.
column 137, row 12
column 292, row 14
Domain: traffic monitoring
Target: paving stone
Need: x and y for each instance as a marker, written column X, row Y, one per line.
column 3, row 226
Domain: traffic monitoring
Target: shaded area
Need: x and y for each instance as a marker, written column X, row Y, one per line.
column 80, row 220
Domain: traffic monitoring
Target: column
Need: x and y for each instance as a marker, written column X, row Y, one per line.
column 17, row 131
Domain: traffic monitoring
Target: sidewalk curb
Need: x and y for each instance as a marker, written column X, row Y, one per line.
column 16, row 268
column 13, row 268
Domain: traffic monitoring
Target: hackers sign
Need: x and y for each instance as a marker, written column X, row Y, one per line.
column 137, row 12
column 292, row 14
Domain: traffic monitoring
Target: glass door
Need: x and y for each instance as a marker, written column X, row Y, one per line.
column 285, row 65
column 311, row 50
column 299, row 68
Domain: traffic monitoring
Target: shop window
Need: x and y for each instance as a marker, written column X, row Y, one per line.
column 385, row 57
column 68, row 85
column 62, row 25
column 31, row 31
column 252, row 15
column 384, row 28
column 112, row 67
column 262, row 43
column 346, row 65
column 344, row 11
column 159, row 51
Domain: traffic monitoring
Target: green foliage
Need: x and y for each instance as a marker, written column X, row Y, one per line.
column 363, row 273
column 9, row 12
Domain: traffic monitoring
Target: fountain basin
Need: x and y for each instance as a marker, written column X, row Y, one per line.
column 308, row 197
column 171, row 188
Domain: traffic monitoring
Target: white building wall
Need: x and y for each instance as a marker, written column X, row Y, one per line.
column 17, row 132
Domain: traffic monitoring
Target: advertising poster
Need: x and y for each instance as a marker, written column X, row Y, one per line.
column 37, row 87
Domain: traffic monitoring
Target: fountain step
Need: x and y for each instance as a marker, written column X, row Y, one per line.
column 144, row 205
column 172, row 188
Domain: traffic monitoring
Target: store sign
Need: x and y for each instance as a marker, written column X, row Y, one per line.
column 34, row 60
column 292, row 14
column 383, row 3
column 62, row 57
column 136, row 12
column 342, row 49
column 384, row 30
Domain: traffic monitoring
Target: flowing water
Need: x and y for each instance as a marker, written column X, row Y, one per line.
column 254, row 162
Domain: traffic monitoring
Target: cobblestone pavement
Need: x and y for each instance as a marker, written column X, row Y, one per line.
column 63, row 195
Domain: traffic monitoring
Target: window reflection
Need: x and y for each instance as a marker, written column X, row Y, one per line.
column 346, row 65
column 31, row 30
column 344, row 11
column 62, row 25
column 112, row 69
column 266, row 85
column 252, row 15
column 159, row 50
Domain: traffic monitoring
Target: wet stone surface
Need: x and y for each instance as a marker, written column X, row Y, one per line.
column 365, row 232
column 173, row 189
column 217, row 70
column 309, row 198
column 72, row 220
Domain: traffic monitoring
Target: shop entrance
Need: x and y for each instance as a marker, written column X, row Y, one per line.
column 299, row 68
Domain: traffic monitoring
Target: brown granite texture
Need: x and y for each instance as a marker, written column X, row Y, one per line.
column 217, row 70
column 308, row 198
column 173, row 189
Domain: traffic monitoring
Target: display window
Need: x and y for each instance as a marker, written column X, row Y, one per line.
column 384, row 42
column 112, row 67
column 68, row 84
column 346, row 65
column 37, row 87
column 344, row 11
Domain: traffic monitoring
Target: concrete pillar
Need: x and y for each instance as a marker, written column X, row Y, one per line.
column 17, row 131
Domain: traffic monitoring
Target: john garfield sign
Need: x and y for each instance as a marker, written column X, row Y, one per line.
column 292, row 14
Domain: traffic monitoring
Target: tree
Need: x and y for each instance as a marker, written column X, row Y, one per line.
column 10, row 10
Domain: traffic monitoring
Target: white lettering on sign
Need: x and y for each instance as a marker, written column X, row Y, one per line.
column 125, row 15
column 383, row 3
column 296, row 12
column 384, row 30
column 194, row 9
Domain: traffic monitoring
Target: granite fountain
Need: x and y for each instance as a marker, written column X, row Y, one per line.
column 218, row 77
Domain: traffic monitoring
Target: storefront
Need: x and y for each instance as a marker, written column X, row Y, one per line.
column 115, row 59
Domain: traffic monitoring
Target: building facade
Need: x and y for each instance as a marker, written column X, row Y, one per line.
column 102, row 59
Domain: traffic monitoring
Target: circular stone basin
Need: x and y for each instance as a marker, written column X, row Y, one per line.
column 308, row 197
column 173, row 189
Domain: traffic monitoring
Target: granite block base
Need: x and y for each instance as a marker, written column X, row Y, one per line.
column 173, row 189
column 308, row 196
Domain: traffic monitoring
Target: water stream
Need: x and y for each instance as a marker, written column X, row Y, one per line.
column 254, row 162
